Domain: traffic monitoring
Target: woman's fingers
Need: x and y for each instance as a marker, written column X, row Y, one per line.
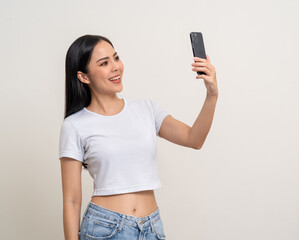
column 202, row 69
column 203, row 64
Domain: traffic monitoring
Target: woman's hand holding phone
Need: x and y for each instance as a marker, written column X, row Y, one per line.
column 204, row 65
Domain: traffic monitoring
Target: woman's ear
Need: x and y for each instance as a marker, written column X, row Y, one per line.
column 82, row 77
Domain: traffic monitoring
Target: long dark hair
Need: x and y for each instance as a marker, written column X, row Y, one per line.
column 77, row 94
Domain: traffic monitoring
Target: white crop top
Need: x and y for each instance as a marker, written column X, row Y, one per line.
column 120, row 150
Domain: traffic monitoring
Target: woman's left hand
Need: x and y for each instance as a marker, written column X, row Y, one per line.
column 204, row 65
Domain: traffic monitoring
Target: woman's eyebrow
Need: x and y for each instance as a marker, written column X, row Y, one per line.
column 106, row 57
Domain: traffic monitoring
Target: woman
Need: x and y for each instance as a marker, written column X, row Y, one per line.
column 115, row 139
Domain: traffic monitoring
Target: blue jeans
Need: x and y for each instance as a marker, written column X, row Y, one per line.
column 102, row 223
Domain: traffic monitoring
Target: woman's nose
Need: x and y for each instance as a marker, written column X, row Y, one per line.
column 115, row 65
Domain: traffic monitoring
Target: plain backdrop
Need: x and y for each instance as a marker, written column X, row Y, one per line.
column 243, row 183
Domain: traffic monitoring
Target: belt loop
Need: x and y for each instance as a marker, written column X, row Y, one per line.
column 121, row 223
column 151, row 221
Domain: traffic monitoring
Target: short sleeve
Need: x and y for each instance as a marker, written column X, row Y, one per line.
column 159, row 115
column 70, row 144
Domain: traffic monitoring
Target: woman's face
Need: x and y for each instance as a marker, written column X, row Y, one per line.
column 104, row 65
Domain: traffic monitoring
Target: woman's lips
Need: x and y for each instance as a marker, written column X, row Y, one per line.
column 115, row 81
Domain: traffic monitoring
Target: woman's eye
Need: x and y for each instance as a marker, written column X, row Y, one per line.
column 106, row 61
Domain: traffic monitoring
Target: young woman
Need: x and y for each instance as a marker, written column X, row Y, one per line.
column 115, row 140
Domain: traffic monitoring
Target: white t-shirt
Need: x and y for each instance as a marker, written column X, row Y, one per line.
column 120, row 150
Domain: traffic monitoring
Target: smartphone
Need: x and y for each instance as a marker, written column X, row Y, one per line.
column 198, row 47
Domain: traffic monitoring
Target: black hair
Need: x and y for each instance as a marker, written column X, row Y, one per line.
column 77, row 94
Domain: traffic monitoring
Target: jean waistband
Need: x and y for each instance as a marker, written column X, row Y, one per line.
column 121, row 218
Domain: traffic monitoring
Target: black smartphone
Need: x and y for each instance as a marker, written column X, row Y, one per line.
column 198, row 47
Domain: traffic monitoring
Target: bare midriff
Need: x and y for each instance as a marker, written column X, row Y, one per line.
column 139, row 204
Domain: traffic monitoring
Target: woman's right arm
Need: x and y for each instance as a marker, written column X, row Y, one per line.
column 72, row 196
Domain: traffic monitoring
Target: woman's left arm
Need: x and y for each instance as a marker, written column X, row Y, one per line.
column 202, row 124
column 180, row 133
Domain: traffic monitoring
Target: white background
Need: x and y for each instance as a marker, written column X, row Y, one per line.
column 243, row 183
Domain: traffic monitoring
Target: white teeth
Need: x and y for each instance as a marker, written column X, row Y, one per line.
column 116, row 78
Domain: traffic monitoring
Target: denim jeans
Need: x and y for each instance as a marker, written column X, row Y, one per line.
column 102, row 223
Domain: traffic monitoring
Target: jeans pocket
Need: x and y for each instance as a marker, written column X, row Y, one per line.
column 102, row 228
column 159, row 229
